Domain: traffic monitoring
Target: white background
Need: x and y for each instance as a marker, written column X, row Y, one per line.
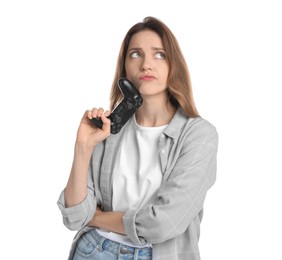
column 57, row 59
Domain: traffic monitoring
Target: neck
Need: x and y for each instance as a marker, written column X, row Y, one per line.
column 154, row 113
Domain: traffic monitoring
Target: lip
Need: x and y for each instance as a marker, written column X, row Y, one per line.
column 147, row 77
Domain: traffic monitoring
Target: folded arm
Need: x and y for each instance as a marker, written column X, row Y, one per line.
column 110, row 221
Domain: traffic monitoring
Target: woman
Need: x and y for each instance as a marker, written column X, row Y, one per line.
column 139, row 194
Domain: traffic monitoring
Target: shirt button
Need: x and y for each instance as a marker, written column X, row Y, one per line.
column 163, row 150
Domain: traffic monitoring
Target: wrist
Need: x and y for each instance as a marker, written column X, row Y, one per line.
column 83, row 150
column 110, row 221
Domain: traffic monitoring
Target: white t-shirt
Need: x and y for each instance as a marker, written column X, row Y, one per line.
column 137, row 171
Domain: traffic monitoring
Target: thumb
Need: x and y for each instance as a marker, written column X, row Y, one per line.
column 106, row 121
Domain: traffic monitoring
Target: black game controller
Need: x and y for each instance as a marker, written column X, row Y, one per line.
column 125, row 109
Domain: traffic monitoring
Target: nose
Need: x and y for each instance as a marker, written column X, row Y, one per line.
column 145, row 68
column 146, row 64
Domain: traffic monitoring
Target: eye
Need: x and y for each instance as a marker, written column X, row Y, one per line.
column 135, row 54
column 160, row 55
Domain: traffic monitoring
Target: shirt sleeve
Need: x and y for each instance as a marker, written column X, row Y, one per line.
column 181, row 196
column 78, row 216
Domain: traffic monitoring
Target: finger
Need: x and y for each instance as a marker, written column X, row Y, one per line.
column 88, row 113
column 100, row 112
column 107, row 113
column 106, row 122
column 94, row 112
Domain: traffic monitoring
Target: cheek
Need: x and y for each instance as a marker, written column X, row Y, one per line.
column 128, row 68
column 165, row 69
column 131, row 69
column 164, row 72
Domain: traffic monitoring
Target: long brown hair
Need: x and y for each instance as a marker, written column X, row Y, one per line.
column 179, row 82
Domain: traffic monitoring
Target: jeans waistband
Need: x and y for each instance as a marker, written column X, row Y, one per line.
column 118, row 248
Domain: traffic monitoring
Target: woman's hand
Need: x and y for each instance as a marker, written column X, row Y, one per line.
column 111, row 221
column 90, row 135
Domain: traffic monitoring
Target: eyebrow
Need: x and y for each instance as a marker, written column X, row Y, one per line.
column 153, row 48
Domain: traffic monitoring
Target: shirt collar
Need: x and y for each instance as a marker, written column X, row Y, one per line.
column 176, row 123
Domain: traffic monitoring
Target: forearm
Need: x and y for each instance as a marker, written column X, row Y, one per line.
column 76, row 188
column 110, row 221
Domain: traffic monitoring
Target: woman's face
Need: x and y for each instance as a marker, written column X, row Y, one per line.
column 146, row 64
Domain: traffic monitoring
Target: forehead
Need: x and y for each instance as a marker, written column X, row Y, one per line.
column 146, row 38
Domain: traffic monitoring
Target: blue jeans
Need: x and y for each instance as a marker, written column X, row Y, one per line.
column 92, row 246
